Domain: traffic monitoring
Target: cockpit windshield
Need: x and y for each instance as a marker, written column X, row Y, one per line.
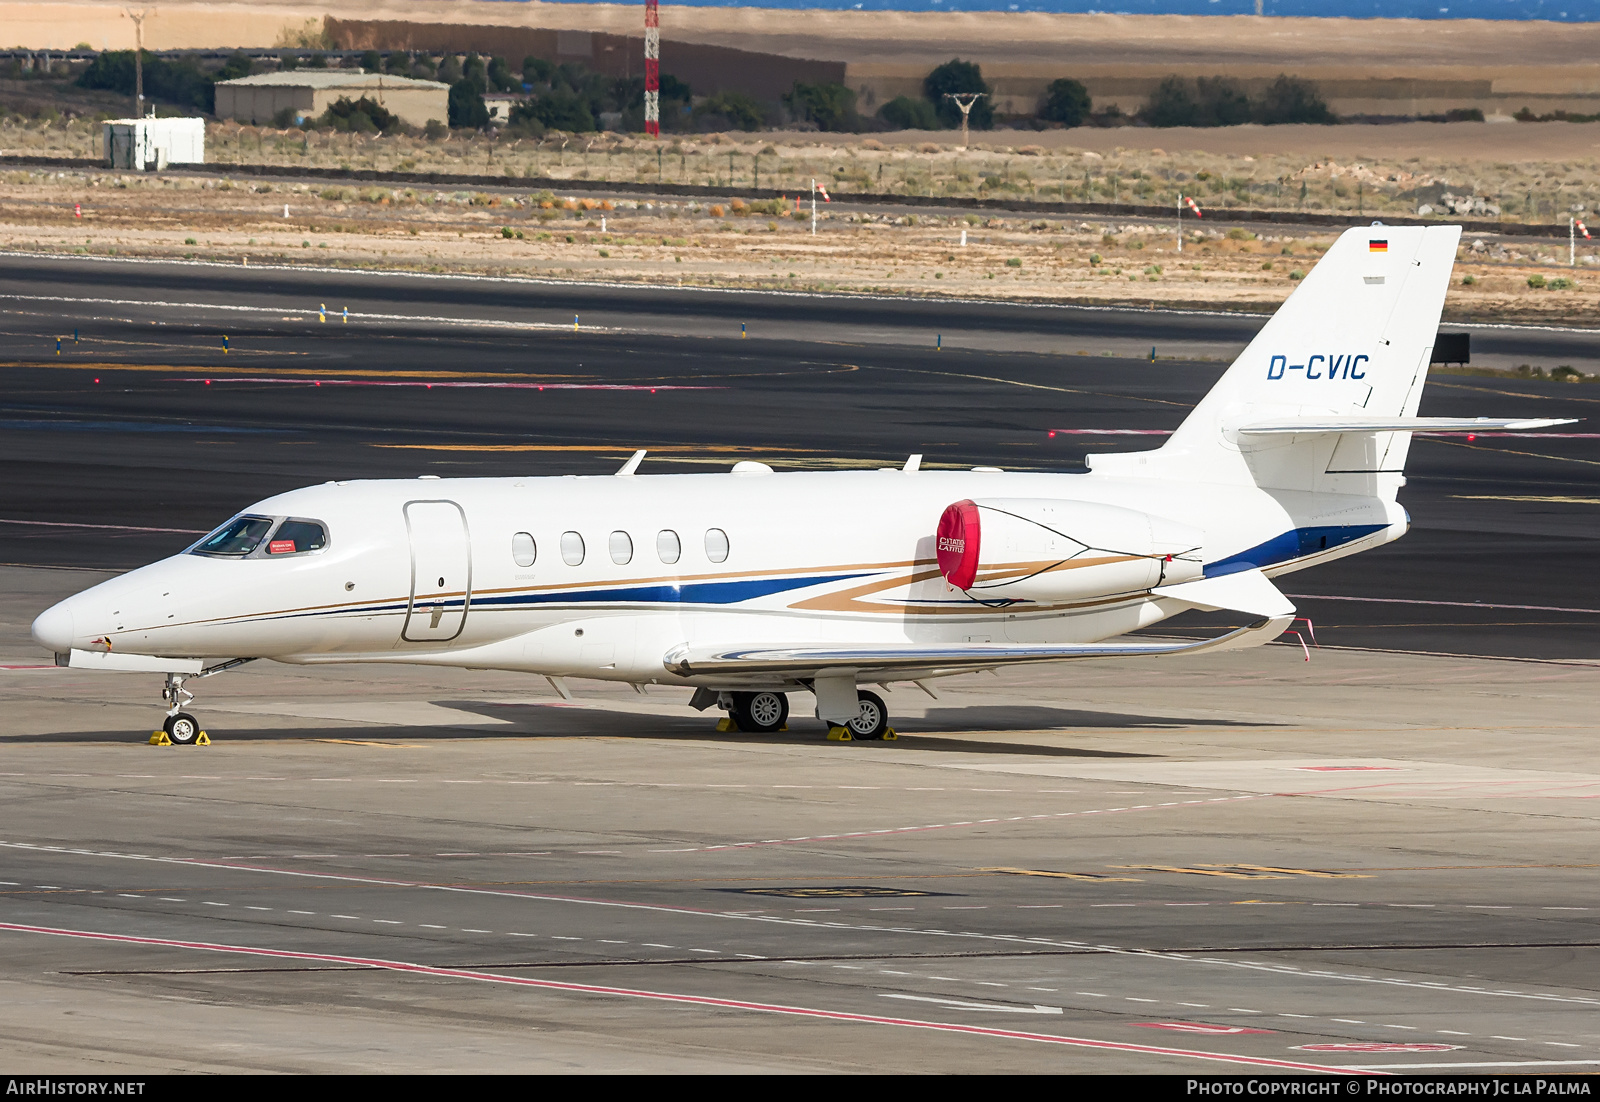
column 295, row 536
column 237, row 538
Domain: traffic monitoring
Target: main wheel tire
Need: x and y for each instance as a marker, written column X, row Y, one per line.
column 182, row 729
column 873, row 718
column 760, row 713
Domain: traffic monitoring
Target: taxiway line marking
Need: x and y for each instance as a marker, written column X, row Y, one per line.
column 967, row 822
column 235, row 308
column 1446, row 604
column 674, row 997
column 102, row 527
column 1010, row 939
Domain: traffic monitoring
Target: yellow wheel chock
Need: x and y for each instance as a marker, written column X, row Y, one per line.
column 890, row 736
column 159, row 738
column 839, row 734
column 203, row 739
column 726, row 724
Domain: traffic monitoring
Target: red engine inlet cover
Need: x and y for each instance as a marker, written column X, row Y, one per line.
column 957, row 544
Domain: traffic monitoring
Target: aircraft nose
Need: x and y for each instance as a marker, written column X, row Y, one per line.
column 54, row 629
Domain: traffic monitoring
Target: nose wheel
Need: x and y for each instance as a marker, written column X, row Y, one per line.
column 181, row 728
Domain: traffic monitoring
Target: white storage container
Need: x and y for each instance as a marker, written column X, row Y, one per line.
column 153, row 144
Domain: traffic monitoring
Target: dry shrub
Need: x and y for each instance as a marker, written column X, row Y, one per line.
column 869, row 143
column 1031, row 151
column 929, row 147
column 608, row 205
column 716, row 211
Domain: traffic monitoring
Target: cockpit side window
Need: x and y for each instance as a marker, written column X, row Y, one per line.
column 294, row 536
column 235, row 539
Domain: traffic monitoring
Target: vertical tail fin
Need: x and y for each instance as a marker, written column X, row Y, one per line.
column 1354, row 339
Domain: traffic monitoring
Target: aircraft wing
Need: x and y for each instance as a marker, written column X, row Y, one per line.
column 901, row 659
column 1305, row 426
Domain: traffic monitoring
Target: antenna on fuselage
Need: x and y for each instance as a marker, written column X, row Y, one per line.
column 632, row 464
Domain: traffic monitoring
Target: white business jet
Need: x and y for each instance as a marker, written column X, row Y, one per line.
column 746, row 586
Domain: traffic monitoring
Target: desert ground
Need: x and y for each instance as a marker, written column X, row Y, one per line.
column 1532, row 172
column 578, row 234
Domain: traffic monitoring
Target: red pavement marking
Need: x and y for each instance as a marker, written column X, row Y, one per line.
column 670, row 997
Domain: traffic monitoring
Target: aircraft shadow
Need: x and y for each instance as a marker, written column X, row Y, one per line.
column 932, row 733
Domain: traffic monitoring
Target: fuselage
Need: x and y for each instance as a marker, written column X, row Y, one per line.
column 600, row 576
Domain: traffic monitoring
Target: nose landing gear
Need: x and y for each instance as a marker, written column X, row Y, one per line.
column 181, row 728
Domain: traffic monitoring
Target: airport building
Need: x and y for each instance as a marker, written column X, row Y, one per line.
column 309, row 92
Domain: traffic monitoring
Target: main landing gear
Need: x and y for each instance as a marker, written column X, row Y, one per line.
column 759, row 713
column 767, row 711
column 870, row 723
column 180, row 727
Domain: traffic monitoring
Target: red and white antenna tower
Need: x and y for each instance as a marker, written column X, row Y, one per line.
column 652, row 69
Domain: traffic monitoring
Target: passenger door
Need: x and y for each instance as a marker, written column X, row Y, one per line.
column 441, row 571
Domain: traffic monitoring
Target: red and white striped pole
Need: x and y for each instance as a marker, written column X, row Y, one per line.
column 1575, row 226
column 652, row 69
column 1182, row 200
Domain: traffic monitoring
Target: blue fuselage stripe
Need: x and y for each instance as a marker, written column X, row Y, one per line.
column 1291, row 545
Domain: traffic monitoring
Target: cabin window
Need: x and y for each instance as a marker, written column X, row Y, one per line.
column 235, row 539
column 621, row 548
column 295, row 536
column 523, row 550
column 668, row 547
column 716, row 545
column 571, row 548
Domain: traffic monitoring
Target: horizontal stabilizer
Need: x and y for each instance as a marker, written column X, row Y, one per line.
column 1306, row 426
column 870, row 660
column 1246, row 591
column 131, row 663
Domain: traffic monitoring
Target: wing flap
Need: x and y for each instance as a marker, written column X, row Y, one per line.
column 802, row 661
column 1246, row 591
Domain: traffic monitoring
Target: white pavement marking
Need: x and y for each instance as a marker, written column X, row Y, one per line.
column 960, row 1004
column 1012, row 939
column 674, row 997
column 490, row 323
column 1500, row 1064
column 967, row 822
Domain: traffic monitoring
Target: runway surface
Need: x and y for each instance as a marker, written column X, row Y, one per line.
column 1380, row 859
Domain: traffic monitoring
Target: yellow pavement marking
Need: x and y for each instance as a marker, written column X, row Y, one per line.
column 1555, row 500
column 1031, row 386
column 1514, row 393
column 1231, row 872
column 619, row 449
column 364, row 742
column 1510, row 451
column 1069, row 875
column 1296, row 872
column 299, row 372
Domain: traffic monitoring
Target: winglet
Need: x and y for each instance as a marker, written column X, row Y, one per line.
column 632, row 464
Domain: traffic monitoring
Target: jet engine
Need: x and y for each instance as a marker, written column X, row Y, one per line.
column 1044, row 550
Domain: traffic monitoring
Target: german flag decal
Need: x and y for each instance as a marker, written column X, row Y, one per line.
column 1378, row 246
